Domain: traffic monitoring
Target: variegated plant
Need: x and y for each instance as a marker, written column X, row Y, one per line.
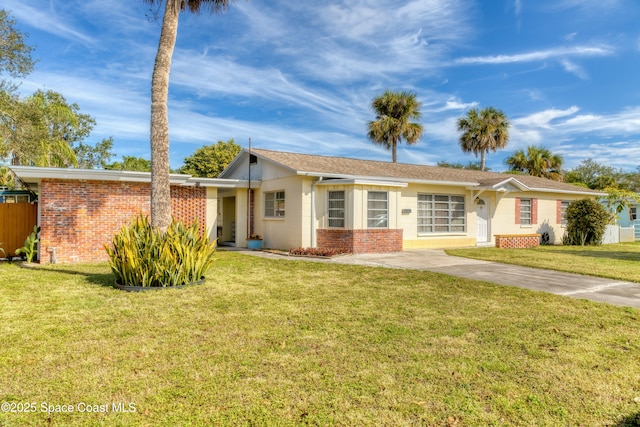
column 142, row 256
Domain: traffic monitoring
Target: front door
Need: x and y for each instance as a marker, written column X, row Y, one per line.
column 482, row 222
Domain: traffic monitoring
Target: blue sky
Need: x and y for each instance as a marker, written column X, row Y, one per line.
column 300, row 75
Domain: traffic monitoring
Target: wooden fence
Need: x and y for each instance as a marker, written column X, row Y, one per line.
column 16, row 222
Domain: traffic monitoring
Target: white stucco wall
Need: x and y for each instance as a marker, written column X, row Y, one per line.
column 284, row 232
column 212, row 212
column 409, row 222
column 503, row 219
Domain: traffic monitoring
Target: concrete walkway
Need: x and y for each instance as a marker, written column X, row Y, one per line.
column 573, row 285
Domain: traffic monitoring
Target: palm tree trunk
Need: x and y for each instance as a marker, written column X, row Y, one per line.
column 159, row 135
column 482, row 160
column 394, row 156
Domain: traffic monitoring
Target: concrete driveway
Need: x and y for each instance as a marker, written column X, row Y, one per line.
column 572, row 285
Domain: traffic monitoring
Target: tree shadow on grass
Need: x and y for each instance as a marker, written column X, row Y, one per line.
column 616, row 255
column 101, row 279
column 632, row 420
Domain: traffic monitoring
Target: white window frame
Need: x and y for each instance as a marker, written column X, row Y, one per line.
column 526, row 215
column 274, row 204
column 436, row 218
column 377, row 216
column 564, row 204
column 336, row 203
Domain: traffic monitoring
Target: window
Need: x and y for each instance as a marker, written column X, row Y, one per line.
column 525, row 212
column 377, row 209
column 14, row 199
column 633, row 213
column 274, row 204
column 563, row 212
column 336, row 209
column 441, row 213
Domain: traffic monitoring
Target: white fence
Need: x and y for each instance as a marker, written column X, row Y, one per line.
column 627, row 234
column 617, row 234
column 611, row 234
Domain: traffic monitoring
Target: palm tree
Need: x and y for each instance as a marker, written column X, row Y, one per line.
column 159, row 135
column 394, row 112
column 40, row 130
column 537, row 161
column 483, row 131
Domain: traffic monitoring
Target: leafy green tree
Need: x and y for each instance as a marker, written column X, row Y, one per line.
column 6, row 177
column 484, row 130
column 537, row 161
column 586, row 223
column 92, row 157
column 209, row 161
column 131, row 163
column 394, row 114
column 15, row 54
column 596, row 176
column 618, row 199
column 633, row 180
column 474, row 166
column 159, row 133
column 41, row 129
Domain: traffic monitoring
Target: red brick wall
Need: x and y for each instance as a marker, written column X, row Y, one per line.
column 360, row 241
column 80, row 217
column 517, row 241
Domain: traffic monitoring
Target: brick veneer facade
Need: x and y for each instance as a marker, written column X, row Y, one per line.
column 517, row 241
column 79, row 217
column 360, row 241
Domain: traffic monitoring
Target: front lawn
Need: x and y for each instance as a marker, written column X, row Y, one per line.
column 284, row 343
column 619, row 261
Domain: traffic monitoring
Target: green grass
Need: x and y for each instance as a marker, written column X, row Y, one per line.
column 291, row 343
column 619, row 261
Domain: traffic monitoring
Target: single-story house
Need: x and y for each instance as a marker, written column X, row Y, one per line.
column 298, row 200
column 301, row 200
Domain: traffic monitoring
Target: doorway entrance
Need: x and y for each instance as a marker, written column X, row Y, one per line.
column 482, row 221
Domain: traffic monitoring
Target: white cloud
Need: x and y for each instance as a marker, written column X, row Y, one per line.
column 540, row 55
column 454, row 103
column 544, row 118
column 566, row 132
column 517, row 7
column 46, row 19
column 574, row 69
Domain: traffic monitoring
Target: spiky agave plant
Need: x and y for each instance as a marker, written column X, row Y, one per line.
column 140, row 255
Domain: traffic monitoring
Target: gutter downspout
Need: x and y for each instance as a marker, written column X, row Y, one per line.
column 249, row 213
column 313, row 212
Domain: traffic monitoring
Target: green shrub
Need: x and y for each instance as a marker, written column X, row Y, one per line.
column 327, row 252
column 586, row 223
column 30, row 244
column 139, row 255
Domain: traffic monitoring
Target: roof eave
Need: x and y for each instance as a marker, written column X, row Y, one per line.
column 387, row 179
column 356, row 181
column 27, row 173
column 579, row 192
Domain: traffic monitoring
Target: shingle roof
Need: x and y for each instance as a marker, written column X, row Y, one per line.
column 343, row 167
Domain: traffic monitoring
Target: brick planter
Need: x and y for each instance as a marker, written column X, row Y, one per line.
column 517, row 241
